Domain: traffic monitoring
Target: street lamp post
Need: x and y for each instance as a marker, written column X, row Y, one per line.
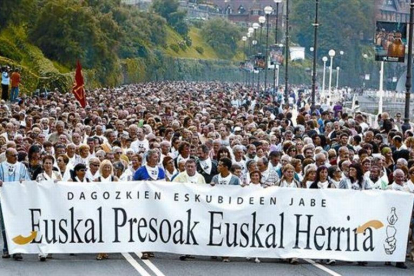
column 324, row 59
column 278, row 68
column 277, row 78
column 287, row 54
column 249, row 35
column 365, row 56
column 331, row 54
column 337, row 78
column 315, row 50
column 276, row 30
column 244, row 38
column 254, row 42
column 262, row 20
column 406, row 124
column 268, row 10
column 277, row 2
column 255, row 27
column 381, row 88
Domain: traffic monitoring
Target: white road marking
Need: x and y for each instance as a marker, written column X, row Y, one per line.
column 135, row 264
column 150, row 265
column 321, row 267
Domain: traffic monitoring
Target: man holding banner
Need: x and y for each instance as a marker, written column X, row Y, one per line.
column 190, row 175
column 11, row 171
column 398, row 185
column 150, row 171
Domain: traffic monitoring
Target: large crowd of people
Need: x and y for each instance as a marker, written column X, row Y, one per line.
column 201, row 133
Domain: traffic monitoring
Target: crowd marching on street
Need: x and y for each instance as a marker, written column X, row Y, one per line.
column 202, row 133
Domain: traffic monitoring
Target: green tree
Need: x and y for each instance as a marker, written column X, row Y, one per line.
column 344, row 26
column 67, row 31
column 169, row 10
column 17, row 11
column 222, row 35
column 165, row 7
column 177, row 22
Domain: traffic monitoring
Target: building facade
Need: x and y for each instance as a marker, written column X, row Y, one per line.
column 393, row 10
column 141, row 4
column 241, row 12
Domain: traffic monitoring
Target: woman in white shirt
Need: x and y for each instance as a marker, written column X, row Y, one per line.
column 309, row 175
column 93, row 172
column 48, row 174
column 79, row 174
column 62, row 163
column 335, row 175
column 255, row 178
column 409, row 185
column 255, row 183
column 322, row 180
column 288, row 180
column 170, row 170
column 106, row 171
column 355, row 179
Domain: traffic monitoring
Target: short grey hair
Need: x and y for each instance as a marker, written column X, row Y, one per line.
column 403, row 161
column 398, row 171
column 237, row 147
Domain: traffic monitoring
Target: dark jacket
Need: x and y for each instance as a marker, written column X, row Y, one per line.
column 208, row 177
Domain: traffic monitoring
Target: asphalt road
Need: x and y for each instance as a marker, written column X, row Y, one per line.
column 169, row 264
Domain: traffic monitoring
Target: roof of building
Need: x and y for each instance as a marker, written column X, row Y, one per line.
column 247, row 4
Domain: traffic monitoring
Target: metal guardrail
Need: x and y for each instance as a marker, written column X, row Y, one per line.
column 371, row 118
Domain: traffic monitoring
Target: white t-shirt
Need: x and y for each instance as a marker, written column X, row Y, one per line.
column 108, row 179
column 409, row 186
column 396, row 187
column 152, row 172
column 323, row 185
column 284, row 184
column 242, row 164
column 193, row 179
column 140, row 146
column 224, row 180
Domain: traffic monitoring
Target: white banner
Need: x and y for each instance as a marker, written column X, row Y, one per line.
column 297, row 53
column 204, row 220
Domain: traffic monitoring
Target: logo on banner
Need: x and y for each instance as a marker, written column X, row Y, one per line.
column 391, row 242
column 20, row 240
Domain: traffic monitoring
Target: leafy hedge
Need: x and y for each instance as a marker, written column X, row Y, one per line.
column 200, row 49
column 9, row 50
column 36, row 70
column 175, row 47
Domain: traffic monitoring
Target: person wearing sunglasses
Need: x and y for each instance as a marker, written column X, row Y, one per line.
column 335, row 175
column 62, row 162
column 93, row 172
column 79, row 174
column 117, row 153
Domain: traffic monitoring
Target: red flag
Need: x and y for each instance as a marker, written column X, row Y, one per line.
column 78, row 87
